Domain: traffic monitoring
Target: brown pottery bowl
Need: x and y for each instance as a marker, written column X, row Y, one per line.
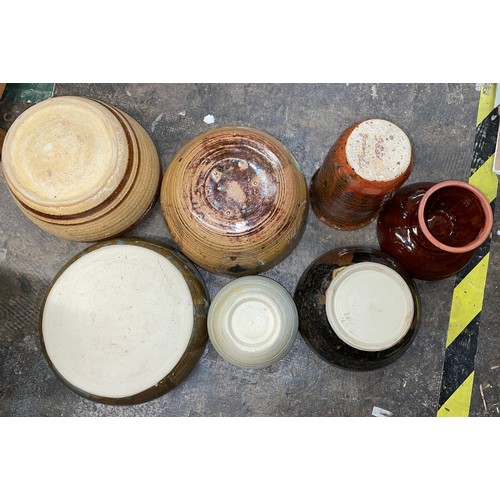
column 358, row 308
column 234, row 200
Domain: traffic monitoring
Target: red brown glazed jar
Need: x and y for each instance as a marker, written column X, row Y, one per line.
column 433, row 230
column 363, row 169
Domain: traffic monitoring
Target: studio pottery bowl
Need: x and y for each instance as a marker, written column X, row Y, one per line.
column 80, row 169
column 252, row 322
column 124, row 321
column 234, row 200
column 358, row 308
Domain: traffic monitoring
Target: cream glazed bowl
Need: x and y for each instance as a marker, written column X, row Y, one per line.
column 124, row 321
column 252, row 322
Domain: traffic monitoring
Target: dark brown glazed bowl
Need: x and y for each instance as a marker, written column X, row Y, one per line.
column 434, row 229
column 234, row 200
column 198, row 337
column 314, row 326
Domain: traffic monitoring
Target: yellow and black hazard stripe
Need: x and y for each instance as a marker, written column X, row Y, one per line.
column 468, row 294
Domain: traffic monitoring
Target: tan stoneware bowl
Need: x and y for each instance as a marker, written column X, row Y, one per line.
column 234, row 200
column 80, row 169
column 124, row 321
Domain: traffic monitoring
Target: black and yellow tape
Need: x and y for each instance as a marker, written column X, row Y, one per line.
column 467, row 302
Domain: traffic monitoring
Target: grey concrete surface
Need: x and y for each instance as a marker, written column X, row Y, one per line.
column 307, row 118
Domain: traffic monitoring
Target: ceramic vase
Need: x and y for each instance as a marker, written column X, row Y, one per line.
column 363, row 169
column 434, row 229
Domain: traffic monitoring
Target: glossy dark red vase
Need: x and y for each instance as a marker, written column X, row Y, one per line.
column 434, row 229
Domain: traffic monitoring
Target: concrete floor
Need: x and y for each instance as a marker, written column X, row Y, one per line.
column 440, row 120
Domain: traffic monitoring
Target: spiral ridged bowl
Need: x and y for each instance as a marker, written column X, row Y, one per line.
column 234, row 200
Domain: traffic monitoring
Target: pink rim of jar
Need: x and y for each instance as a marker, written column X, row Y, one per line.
column 488, row 216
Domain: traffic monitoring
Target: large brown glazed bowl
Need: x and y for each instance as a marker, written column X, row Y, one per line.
column 124, row 321
column 234, row 200
column 80, row 169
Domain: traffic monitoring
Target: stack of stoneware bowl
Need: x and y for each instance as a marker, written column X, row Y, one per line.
column 80, row 169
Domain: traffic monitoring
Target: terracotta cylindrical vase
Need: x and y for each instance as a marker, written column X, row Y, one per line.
column 363, row 169
column 358, row 308
column 234, row 200
column 434, row 229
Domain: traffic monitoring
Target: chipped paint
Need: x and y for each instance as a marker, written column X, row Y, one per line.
column 209, row 119
column 155, row 123
column 380, row 412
